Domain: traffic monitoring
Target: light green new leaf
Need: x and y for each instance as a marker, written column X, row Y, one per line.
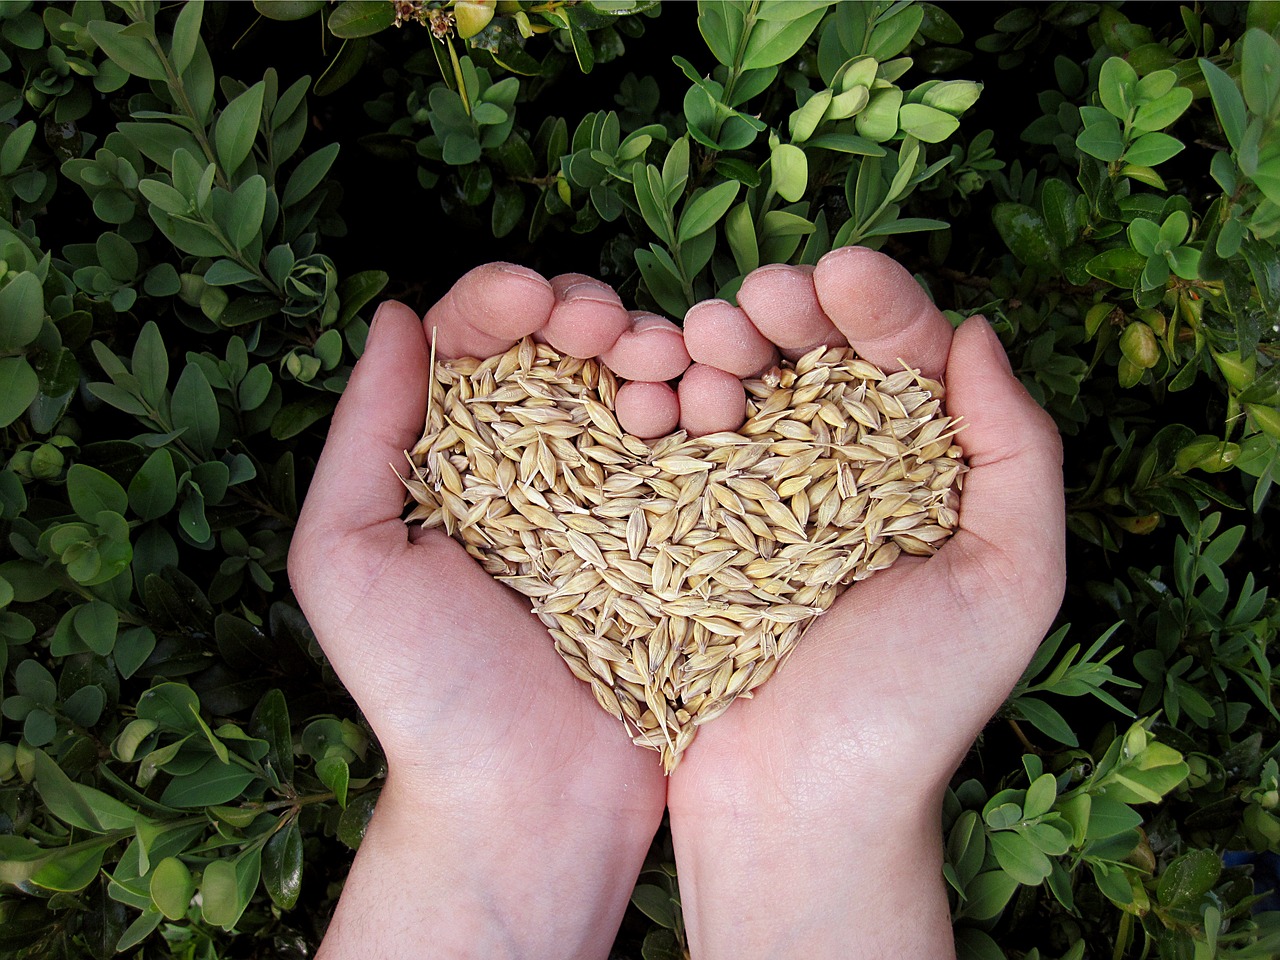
column 238, row 128
column 706, row 208
column 790, row 169
column 1160, row 113
column 172, row 887
column 804, row 121
column 953, row 96
column 878, row 121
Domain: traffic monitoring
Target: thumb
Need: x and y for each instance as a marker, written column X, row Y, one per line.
column 356, row 499
column 1009, row 550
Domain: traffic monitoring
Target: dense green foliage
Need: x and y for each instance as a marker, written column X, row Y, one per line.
column 190, row 240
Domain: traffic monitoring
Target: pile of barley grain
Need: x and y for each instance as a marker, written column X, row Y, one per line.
column 675, row 575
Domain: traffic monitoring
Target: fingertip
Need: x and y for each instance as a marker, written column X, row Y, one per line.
column 647, row 409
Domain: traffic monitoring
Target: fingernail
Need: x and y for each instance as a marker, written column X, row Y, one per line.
column 376, row 314
column 515, row 270
column 589, row 290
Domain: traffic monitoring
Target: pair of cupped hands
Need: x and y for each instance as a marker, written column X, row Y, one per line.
column 516, row 814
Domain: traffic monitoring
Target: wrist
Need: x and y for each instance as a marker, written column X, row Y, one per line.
column 477, row 878
column 818, row 877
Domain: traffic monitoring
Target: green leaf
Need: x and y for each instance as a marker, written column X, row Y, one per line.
column 172, row 887
column 153, row 491
column 1026, row 234
column 238, row 127
column 172, row 705
column 309, row 174
column 248, row 204
column 334, row 774
column 213, row 782
column 186, row 34
column 1117, row 87
column 130, row 47
column 361, row 18
column 97, row 622
column 891, row 34
column 282, row 866
column 288, row 9
column 1260, row 73
column 1152, row 149
column 78, row 805
column 15, row 148
column 19, row 386
column 91, row 491
column 1040, row 796
column 1121, row 266
column 987, row 895
column 22, row 307
column 647, row 185
column 1018, row 858
column 1046, row 719
column 344, row 67
column 773, row 42
column 1101, row 136
column 508, row 208
column 195, row 410
column 72, row 868
column 655, row 903
column 293, row 418
column 705, row 209
column 1227, row 102
column 1188, row 878
column 740, row 231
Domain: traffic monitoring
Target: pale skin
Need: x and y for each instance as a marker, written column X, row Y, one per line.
column 806, row 821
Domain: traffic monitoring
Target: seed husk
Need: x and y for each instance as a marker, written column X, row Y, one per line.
column 675, row 575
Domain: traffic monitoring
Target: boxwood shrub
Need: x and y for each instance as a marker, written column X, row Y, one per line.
column 200, row 205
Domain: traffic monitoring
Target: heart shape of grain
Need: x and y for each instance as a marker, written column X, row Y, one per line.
column 675, row 575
